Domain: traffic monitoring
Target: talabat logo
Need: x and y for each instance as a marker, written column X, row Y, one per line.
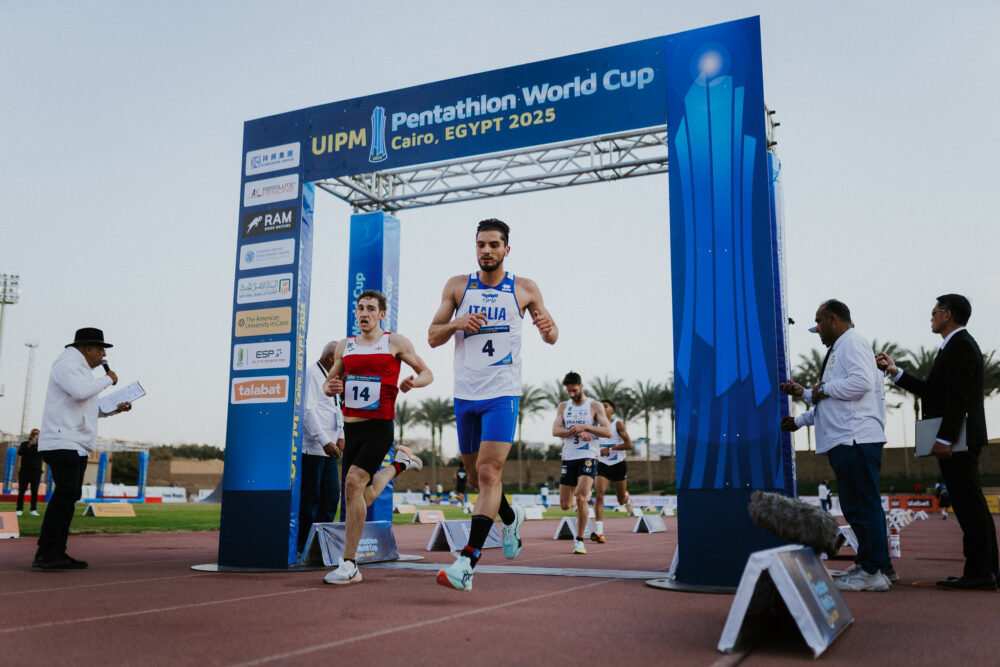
column 274, row 287
column 270, row 222
column 270, row 190
column 274, row 158
column 271, row 389
column 263, row 322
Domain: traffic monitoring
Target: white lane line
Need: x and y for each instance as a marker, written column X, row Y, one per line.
column 146, row 612
column 106, row 583
column 413, row 626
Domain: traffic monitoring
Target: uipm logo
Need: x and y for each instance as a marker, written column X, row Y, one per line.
column 377, row 153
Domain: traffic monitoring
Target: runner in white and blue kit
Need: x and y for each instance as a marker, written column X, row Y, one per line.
column 483, row 311
column 581, row 422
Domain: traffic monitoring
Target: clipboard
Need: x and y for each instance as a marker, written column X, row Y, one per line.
column 926, row 435
column 128, row 393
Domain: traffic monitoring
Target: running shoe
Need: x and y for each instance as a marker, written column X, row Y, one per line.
column 578, row 547
column 409, row 460
column 891, row 575
column 595, row 537
column 629, row 505
column 458, row 575
column 859, row 580
column 512, row 534
column 34, row 513
column 346, row 573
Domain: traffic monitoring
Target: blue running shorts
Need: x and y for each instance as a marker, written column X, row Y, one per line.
column 492, row 420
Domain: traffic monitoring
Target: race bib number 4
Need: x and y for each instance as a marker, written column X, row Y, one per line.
column 361, row 392
column 490, row 346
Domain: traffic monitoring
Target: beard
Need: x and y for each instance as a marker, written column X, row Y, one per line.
column 489, row 265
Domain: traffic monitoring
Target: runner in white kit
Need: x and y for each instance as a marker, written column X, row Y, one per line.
column 483, row 312
column 611, row 467
column 580, row 422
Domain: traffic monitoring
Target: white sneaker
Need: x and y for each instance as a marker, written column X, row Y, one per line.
column 578, row 547
column 409, row 460
column 33, row 513
column 458, row 575
column 346, row 573
column 512, row 534
column 859, row 580
column 19, row 512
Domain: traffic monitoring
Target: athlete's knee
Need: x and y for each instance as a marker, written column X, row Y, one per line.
column 354, row 485
column 488, row 473
column 567, row 504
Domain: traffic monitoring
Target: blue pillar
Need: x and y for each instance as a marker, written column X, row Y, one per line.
column 724, row 305
column 102, row 469
column 8, row 469
column 374, row 264
column 48, row 483
column 143, row 472
column 260, row 500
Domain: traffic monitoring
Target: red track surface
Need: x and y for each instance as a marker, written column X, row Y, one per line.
column 140, row 603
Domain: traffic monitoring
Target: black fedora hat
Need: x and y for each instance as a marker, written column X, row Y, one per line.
column 90, row 336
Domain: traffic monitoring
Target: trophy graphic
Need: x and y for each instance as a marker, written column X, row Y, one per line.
column 377, row 153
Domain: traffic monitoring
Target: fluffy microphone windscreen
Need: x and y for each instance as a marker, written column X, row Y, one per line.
column 795, row 521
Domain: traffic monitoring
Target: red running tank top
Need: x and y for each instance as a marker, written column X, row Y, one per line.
column 371, row 375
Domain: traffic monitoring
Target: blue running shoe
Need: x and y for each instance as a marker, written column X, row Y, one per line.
column 458, row 575
column 512, row 534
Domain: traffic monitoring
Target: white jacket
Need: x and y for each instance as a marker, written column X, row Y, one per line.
column 71, row 405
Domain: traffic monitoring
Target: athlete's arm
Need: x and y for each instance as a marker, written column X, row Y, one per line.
column 625, row 446
column 401, row 346
column 540, row 316
column 442, row 326
column 559, row 429
column 334, row 384
column 603, row 428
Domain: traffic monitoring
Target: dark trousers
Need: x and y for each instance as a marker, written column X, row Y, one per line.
column 68, row 468
column 979, row 536
column 857, row 468
column 320, row 493
column 825, row 504
column 26, row 478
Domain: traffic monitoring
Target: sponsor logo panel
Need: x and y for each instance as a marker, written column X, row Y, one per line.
column 267, row 253
column 274, row 158
column 263, row 322
column 269, row 389
column 258, row 356
column 275, row 287
column 270, row 190
column 270, row 222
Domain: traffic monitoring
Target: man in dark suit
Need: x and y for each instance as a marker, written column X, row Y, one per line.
column 954, row 392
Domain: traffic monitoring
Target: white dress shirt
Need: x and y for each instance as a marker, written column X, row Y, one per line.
column 71, row 405
column 321, row 418
column 854, row 408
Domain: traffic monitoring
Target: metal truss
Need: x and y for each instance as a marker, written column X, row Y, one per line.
column 578, row 162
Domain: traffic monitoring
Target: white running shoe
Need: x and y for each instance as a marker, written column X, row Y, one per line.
column 406, row 456
column 859, row 580
column 34, row 513
column 512, row 534
column 346, row 573
column 458, row 575
column 629, row 505
column 18, row 512
column 578, row 547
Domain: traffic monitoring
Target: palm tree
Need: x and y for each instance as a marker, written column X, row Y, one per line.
column 607, row 388
column 648, row 398
column 435, row 413
column 405, row 414
column 808, row 374
column 991, row 374
column 532, row 402
column 554, row 393
column 667, row 398
column 919, row 364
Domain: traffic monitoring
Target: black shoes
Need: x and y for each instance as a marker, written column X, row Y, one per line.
column 984, row 583
column 62, row 562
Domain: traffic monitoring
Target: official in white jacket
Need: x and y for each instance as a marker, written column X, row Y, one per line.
column 68, row 435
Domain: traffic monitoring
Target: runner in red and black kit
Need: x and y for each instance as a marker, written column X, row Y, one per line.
column 366, row 370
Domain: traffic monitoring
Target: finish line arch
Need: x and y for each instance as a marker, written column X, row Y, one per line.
column 582, row 118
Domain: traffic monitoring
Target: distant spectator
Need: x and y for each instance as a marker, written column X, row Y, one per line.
column 824, row 495
column 30, row 472
column 461, row 479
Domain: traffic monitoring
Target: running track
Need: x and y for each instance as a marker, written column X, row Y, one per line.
column 141, row 603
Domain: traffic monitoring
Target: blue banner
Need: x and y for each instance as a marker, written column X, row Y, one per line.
column 587, row 94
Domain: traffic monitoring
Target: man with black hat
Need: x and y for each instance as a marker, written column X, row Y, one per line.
column 69, row 432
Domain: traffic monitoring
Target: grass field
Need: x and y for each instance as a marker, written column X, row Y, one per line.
column 193, row 516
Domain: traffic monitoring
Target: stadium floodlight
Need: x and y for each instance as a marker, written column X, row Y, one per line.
column 10, row 292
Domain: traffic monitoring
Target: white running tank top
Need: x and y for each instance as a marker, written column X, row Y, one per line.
column 488, row 362
column 575, row 447
column 615, row 455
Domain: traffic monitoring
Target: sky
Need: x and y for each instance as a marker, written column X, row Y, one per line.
column 122, row 125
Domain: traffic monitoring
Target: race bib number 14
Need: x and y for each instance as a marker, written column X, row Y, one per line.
column 361, row 392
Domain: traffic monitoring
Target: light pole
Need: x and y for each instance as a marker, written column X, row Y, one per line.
column 31, row 345
column 10, row 292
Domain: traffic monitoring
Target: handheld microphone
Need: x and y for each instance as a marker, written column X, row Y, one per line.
column 104, row 364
